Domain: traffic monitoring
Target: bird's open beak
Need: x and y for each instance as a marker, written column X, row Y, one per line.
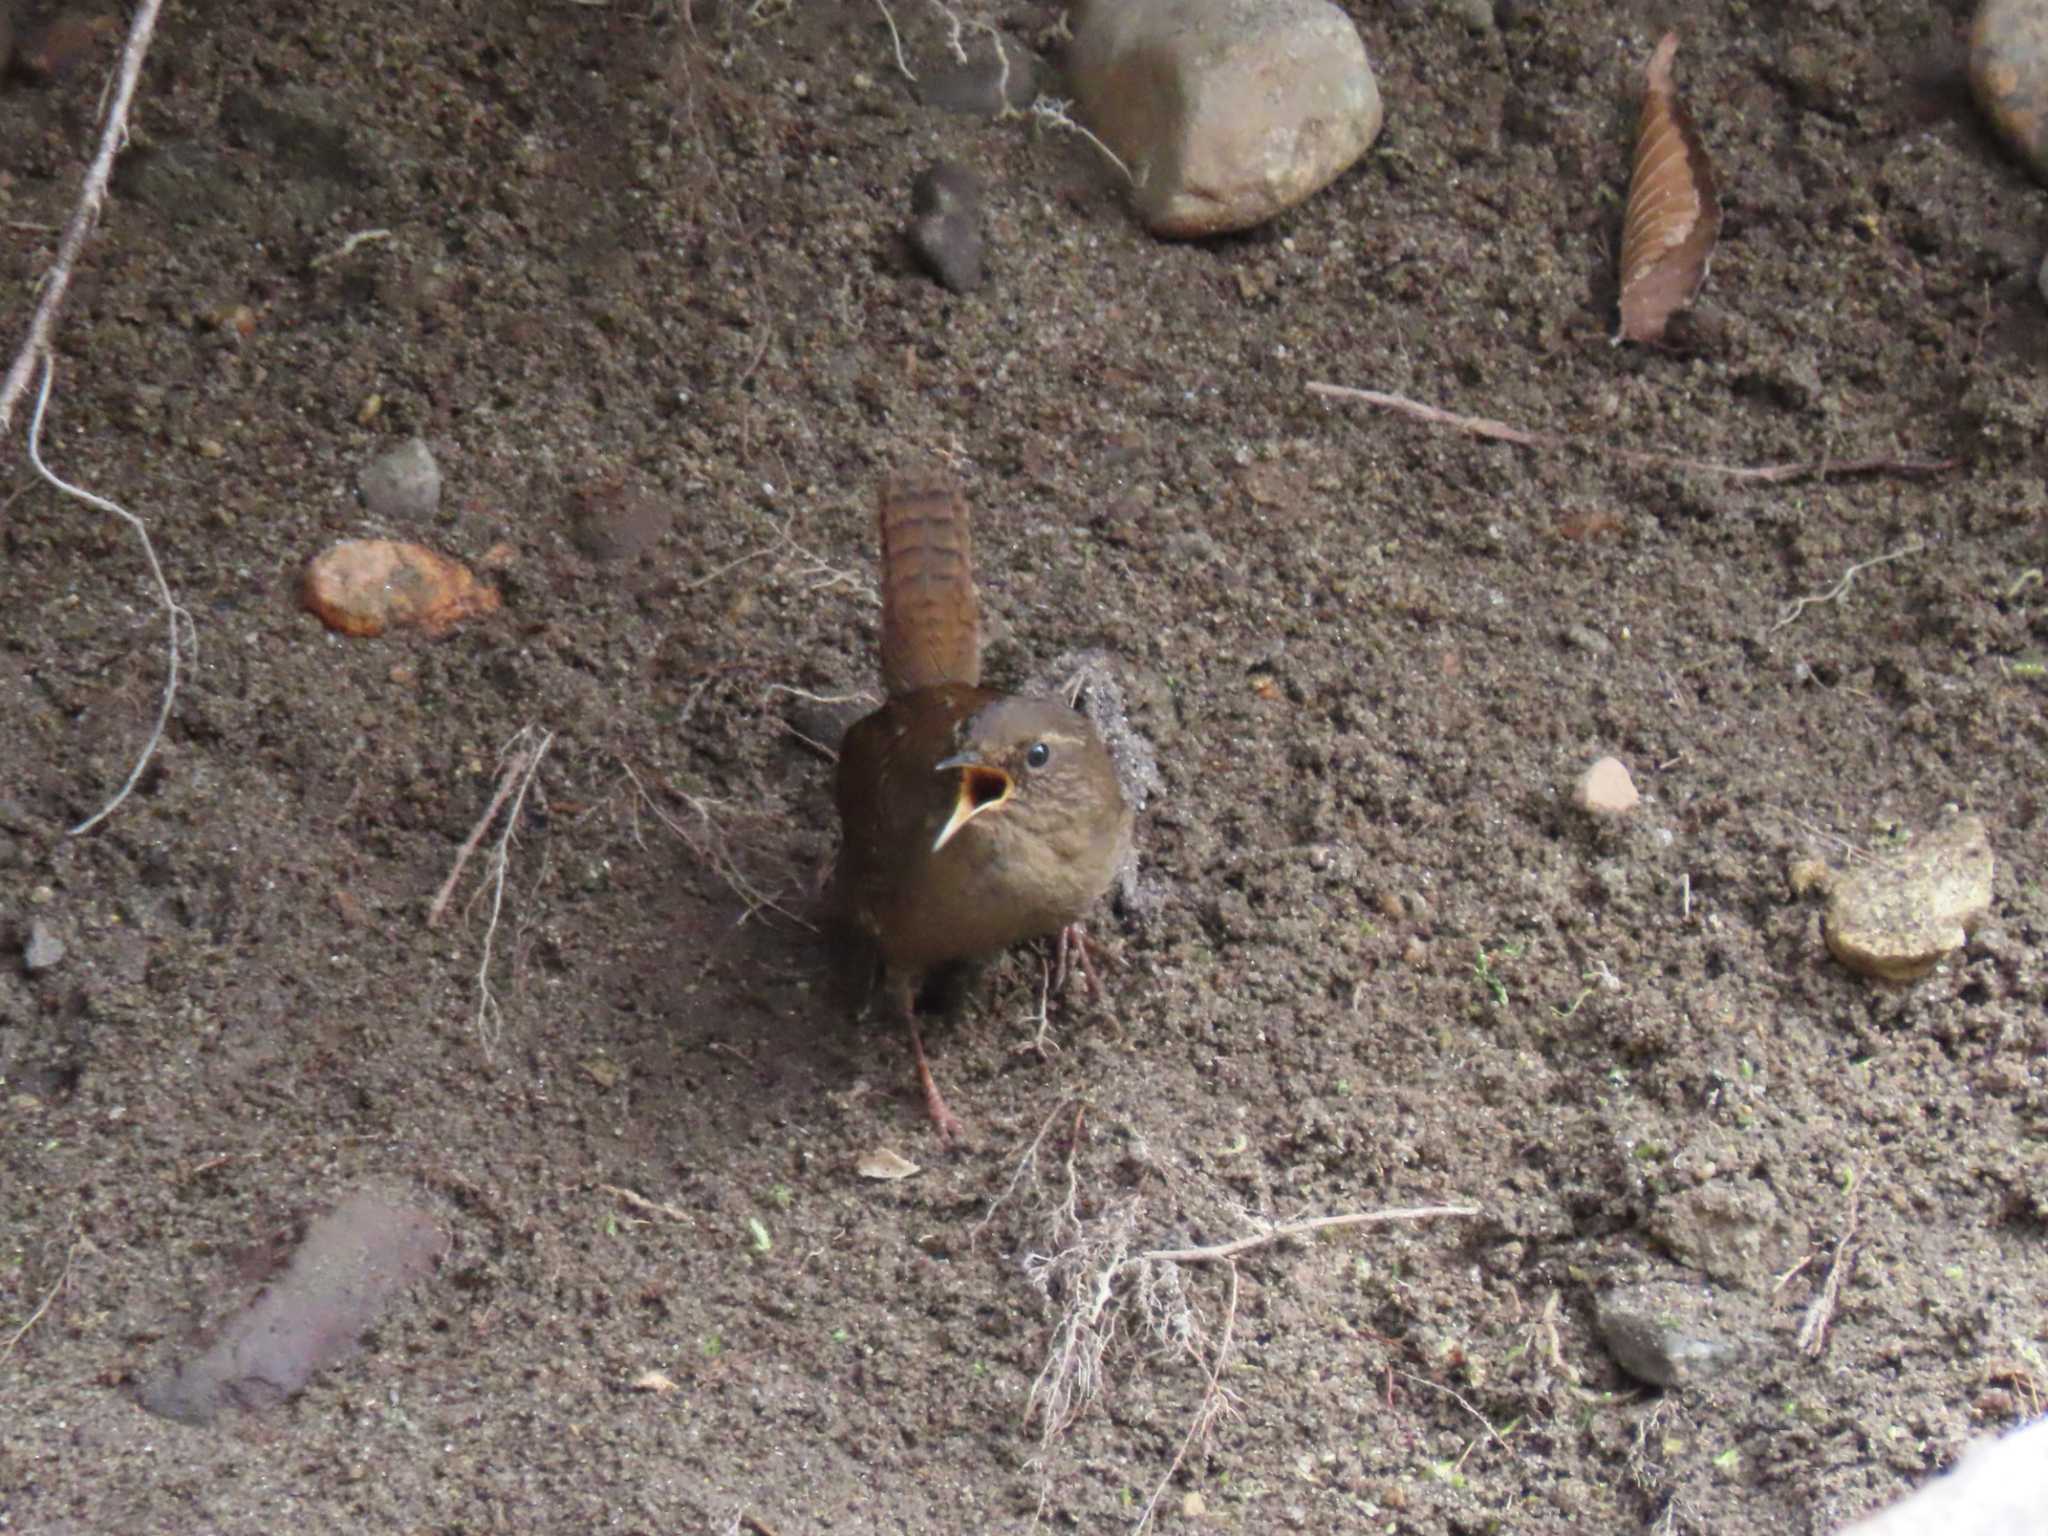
column 982, row 788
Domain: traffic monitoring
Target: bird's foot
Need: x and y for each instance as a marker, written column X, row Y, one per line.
column 944, row 1121
column 1070, row 954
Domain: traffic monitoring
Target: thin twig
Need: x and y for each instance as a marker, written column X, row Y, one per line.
column 1812, row 1338
column 1840, row 589
column 501, row 858
column 514, row 768
column 360, row 238
column 1500, row 431
column 36, row 1316
column 91, row 196
column 173, row 612
column 1215, row 1400
column 1231, row 1250
column 1459, row 1399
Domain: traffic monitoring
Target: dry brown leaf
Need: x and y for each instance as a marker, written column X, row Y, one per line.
column 1674, row 212
column 653, row 1381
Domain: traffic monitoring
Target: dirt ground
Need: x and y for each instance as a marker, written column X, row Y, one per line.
column 642, row 291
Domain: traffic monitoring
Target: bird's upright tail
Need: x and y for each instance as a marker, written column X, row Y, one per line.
column 931, row 623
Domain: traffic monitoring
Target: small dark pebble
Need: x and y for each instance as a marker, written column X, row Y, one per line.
column 945, row 225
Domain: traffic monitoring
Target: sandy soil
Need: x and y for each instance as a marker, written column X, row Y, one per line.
column 644, row 295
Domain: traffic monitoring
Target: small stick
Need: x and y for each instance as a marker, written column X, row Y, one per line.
column 1231, row 1250
column 173, row 611
column 513, row 769
column 1500, row 431
column 1458, row 1398
column 1820, row 1312
column 1840, row 589
column 91, row 195
column 36, row 1316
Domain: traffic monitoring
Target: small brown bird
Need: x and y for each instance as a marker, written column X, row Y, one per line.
column 970, row 819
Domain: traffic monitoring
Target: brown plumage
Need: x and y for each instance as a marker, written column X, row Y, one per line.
column 971, row 820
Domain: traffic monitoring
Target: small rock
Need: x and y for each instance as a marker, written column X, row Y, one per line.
column 1895, row 919
column 402, row 485
column 365, row 586
column 1476, row 14
column 1226, row 111
column 1733, row 1232
column 1665, row 1334
column 1605, row 789
column 945, row 225
column 1588, row 639
column 1806, row 876
column 610, row 522
column 2009, row 74
column 44, row 950
column 981, row 87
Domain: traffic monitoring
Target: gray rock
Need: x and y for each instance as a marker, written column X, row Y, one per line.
column 945, row 225
column 1226, row 111
column 402, row 485
column 1476, row 14
column 1999, row 1488
column 1666, row 1334
column 44, row 950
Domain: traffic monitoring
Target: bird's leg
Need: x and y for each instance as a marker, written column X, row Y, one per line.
column 1070, row 953
column 943, row 1119
column 948, row 1124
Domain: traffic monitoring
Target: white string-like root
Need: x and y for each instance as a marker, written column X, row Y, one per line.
column 91, row 197
column 174, row 613
column 1216, row 1401
column 1223, row 1251
column 896, row 38
column 487, row 1028
column 1840, row 589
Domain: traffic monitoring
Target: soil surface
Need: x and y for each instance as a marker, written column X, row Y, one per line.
column 638, row 280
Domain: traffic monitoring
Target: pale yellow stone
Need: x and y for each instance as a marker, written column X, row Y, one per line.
column 1605, row 789
column 1226, row 111
column 1894, row 919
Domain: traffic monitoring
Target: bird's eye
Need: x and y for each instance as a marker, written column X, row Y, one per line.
column 1039, row 755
